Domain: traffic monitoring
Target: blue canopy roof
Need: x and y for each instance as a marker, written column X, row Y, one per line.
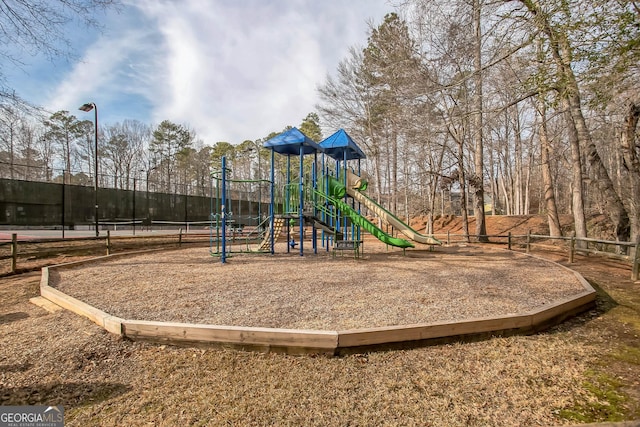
column 339, row 144
column 289, row 142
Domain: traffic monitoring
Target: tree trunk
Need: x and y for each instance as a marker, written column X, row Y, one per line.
column 394, row 171
column 555, row 229
column 494, row 190
column 478, row 179
column 378, row 176
column 612, row 203
column 463, row 190
column 632, row 168
column 577, row 202
column 517, row 154
column 434, row 190
column 527, row 183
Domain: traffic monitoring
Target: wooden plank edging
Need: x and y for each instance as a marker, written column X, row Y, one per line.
column 314, row 341
column 189, row 332
column 111, row 323
column 428, row 331
column 527, row 322
column 563, row 308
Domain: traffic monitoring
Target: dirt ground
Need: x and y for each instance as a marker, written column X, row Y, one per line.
column 586, row 369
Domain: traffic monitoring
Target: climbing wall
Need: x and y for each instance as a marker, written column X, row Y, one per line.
column 278, row 225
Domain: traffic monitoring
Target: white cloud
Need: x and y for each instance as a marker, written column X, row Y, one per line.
column 111, row 69
column 231, row 70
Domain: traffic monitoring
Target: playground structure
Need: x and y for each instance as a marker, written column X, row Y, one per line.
column 330, row 202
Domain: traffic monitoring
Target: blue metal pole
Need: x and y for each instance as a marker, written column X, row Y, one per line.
column 314, row 231
column 211, row 214
column 359, row 204
column 218, row 213
column 287, row 209
column 344, row 181
column 325, row 217
column 272, row 203
column 301, row 207
column 338, row 225
column 223, row 257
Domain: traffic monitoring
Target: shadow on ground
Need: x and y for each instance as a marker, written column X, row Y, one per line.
column 68, row 394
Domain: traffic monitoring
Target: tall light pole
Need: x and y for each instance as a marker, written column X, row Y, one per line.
column 86, row 108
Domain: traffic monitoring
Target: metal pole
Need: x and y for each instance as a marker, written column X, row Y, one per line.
column 272, row 202
column 223, row 256
column 210, row 213
column 64, row 203
column 314, row 185
column 147, row 216
column 259, row 186
column 186, row 209
column 344, row 181
column 287, row 203
column 95, row 109
column 218, row 214
column 134, row 205
column 86, row 108
column 301, row 204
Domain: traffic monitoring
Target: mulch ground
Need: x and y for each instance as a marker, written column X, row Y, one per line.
column 382, row 288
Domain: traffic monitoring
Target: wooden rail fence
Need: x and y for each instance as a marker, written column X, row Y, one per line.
column 624, row 251
column 22, row 250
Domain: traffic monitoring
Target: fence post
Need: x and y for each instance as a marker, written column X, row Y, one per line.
column 180, row 237
column 108, row 242
column 14, row 252
column 635, row 270
column 448, row 238
column 528, row 249
column 509, row 241
column 572, row 248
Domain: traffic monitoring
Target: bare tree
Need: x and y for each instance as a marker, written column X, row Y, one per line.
column 122, row 150
column 32, row 27
column 10, row 121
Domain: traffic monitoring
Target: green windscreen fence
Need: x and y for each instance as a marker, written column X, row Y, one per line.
column 44, row 204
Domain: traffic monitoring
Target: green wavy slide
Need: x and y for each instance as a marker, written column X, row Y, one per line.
column 393, row 220
column 336, row 189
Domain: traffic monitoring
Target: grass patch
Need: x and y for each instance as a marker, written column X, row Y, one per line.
column 628, row 316
column 605, row 402
column 628, row 354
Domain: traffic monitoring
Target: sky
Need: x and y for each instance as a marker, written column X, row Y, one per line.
column 230, row 70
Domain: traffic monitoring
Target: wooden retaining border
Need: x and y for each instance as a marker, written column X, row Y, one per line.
column 297, row 341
